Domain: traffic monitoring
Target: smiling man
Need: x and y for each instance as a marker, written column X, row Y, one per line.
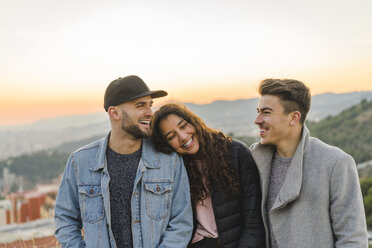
column 119, row 189
column 310, row 190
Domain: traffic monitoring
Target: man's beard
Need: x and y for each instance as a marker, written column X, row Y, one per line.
column 128, row 126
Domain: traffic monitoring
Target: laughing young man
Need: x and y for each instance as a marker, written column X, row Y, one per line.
column 310, row 190
column 119, row 189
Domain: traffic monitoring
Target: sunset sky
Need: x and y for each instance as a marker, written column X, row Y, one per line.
column 57, row 57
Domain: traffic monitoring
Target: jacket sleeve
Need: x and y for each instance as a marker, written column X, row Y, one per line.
column 346, row 205
column 253, row 232
column 179, row 229
column 67, row 210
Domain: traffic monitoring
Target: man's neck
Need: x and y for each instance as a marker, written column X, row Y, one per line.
column 123, row 143
column 287, row 147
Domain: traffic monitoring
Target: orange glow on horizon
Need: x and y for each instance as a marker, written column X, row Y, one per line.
column 30, row 110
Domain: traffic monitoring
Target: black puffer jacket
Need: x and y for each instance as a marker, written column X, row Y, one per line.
column 238, row 217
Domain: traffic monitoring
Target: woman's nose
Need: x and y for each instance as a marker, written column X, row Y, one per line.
column 182, row 136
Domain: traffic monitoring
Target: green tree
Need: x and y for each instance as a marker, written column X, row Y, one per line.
column 366, row 186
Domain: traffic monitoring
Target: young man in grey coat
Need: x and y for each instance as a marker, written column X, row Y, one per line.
column 311, row 195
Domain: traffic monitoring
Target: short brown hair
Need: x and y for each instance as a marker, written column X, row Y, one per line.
column 294, row 95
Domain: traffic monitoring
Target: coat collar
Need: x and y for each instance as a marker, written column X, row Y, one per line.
column 149, row 156
column 291, row 187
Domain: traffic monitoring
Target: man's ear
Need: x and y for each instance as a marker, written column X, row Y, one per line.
column 114, row 112
column 295, row 118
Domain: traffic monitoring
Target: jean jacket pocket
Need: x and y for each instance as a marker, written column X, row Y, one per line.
column 91, row 203
column 157, row 197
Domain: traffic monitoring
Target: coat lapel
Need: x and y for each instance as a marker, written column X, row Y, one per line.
column 291, row 187
column 263, row 155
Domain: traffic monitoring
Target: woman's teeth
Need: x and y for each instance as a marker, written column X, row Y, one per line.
column 188, row 143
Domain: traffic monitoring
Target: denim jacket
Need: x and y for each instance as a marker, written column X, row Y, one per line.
column 160, row 204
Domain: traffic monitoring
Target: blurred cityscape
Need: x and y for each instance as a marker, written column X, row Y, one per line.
column 26, row 216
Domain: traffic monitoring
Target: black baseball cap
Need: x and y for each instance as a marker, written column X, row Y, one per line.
column 128, row 88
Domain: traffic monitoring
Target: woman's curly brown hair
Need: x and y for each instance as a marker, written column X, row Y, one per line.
column 214, row 149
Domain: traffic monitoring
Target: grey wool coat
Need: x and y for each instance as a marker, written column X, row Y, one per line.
column 320, row 203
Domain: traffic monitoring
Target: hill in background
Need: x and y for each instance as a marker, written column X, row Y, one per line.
column 229, row 116
column 351, row 130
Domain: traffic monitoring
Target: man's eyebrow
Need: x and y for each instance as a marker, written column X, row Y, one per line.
column 143, row 103
column 264, row 109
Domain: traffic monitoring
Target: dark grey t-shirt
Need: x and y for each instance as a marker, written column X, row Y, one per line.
column 279, row 168
column 122, row 169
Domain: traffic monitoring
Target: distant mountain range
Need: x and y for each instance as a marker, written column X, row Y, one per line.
column 350, row 130
column 234, row 117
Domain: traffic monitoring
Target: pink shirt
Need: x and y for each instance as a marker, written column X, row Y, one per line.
column 206, row 226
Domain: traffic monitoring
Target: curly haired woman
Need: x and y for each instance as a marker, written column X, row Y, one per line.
column 224, row 181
